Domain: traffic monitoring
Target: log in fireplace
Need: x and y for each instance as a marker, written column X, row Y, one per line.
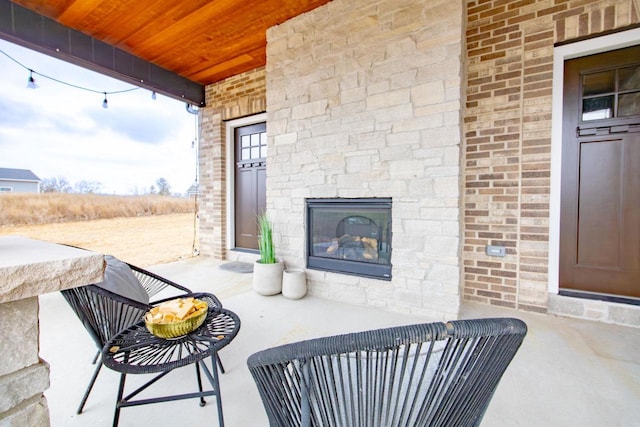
column 351, row 236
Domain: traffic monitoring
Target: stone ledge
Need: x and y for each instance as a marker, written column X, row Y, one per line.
column 31, row 267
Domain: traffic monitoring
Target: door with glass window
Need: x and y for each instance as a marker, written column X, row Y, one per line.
column 600, row 200
column 250, row 183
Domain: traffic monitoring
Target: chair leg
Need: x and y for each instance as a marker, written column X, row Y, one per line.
column 116, row 414
column 216, row 385
column 199, row 376
column 220, row 363
column 91, row 383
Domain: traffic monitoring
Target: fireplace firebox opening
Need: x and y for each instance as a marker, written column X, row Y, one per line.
column 350, row 236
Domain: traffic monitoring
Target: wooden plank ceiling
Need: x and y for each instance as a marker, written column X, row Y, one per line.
column 202, row 40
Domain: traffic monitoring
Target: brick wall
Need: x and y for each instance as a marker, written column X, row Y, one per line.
column 238, row 96
column 507, row 138
column 364, row 101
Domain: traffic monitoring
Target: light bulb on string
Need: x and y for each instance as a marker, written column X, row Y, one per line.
column 32, row 82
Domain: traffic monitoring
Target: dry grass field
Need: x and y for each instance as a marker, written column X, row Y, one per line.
column 47, row 208
column 144, row 239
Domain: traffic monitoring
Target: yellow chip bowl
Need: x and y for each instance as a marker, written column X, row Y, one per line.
column 177, row 328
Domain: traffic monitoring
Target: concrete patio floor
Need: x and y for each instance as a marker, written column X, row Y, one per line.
column 568, row 372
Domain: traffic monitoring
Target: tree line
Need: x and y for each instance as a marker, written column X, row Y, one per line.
column 61, row 185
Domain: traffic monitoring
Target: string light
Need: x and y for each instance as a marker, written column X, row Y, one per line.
column 31, row 83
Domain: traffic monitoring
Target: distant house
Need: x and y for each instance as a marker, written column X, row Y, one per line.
column 193, row 190
column 18, row 181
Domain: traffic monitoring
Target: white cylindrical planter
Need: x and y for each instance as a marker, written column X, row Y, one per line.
column 294, row 283
column 267, row 278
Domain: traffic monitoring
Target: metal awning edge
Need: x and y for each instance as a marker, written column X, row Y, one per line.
column 37, row 32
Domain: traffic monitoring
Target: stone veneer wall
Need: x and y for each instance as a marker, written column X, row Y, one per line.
column 29, row 268
column 23, row 375
column 363, row 100
column 507, row 127
column 236, row 97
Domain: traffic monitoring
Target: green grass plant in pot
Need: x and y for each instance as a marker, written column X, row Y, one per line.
column 265, row 240
column 267, row 271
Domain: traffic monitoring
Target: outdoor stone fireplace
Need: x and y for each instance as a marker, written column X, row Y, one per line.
column 362, row 101
column 358, row 111
column 351, row 236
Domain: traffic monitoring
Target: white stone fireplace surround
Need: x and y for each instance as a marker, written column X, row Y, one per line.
column 363, row 100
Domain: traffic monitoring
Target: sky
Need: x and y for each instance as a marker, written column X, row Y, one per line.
column 58, row 131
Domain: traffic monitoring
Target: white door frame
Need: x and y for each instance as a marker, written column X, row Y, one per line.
column 230, row 128
column 561, row 54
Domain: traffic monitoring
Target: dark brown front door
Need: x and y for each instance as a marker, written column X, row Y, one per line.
column 600, row 202
column 250, row 183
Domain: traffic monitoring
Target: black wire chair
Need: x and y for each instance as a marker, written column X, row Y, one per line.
column 432, row 374
column 104, row 313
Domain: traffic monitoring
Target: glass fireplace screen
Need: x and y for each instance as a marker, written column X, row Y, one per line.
column 351, row 236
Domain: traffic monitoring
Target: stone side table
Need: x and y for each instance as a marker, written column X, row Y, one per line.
column 29, row 268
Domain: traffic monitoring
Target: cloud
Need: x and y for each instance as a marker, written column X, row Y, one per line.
column 14, row 113
column 58, row 130
column 27, row 114
column 135, row 124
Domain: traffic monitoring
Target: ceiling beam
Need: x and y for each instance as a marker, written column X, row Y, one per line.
column 37, row 32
